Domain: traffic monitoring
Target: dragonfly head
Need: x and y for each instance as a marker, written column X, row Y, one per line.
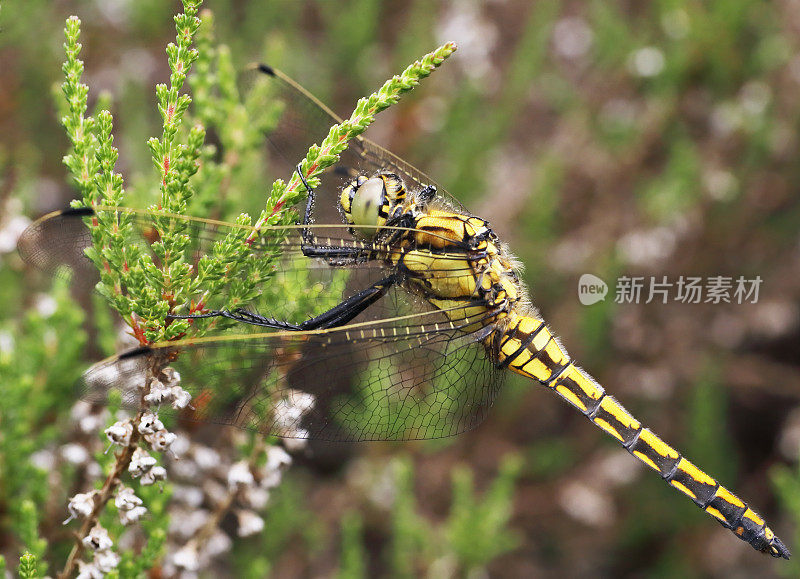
column 367, row 202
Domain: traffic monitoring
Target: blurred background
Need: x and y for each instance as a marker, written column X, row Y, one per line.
column 613, row 138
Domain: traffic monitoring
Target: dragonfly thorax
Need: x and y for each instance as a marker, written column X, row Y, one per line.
column 370, row 201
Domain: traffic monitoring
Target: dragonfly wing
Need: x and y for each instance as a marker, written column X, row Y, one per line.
column 305, row 119
column 58, row 240
column 410, row 377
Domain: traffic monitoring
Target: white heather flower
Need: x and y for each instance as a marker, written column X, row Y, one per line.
column 184, row 469
column 160, row 441
column 270, row 478
column 97, row 539
column 94, row 470
column 158, row 393
column 171, row 376
column 132, row 515
column 80, row 505
column 465, row 24
column 646, row 62
column 277, row 461
column 180, row 398
column 206, row 458
column 126, row 499
column 74, row 453
column 91, row 423
column 45, row 305
column 289, row 411
column 43, row 459
column 240, row 475
column 6, row 343
column 80, row 409
column 141, row 462
column 89, row 571
column 11, row 230
column 255, row 497
column 186, row 522
column 149, row 423
column 120, row 432
column 572, row 37
column 188, row 495
column 587, row 504
column 217, row 544
column 181, row 446
column 249, row 523
column 215, row 492
column 187, row 557
column 239, row 437
column 286, row 415
column 298, row 443
column 106, row 560
column 129, row 506
column 676, row 23
column 277, row 458
column 303, row 401
column 168, row 390
column 155, row 474
column 122, row 414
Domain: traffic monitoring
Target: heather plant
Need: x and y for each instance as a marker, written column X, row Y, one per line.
column 144, row 288
column 474, row 534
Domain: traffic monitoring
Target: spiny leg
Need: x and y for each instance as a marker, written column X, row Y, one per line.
column 336, row 256
column 338, row 315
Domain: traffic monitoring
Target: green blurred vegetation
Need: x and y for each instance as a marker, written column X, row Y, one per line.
column 571, row 127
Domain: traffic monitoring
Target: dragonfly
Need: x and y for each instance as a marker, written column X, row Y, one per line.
column 427, row 313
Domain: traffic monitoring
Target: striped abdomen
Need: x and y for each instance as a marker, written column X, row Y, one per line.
column 527, row 347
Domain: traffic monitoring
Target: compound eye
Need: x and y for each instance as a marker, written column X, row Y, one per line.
column 367, row 202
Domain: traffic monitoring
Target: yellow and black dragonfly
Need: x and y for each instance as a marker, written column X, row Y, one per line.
column 428, row 315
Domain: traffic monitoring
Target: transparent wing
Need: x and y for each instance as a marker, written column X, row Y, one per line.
column 400, row 370
column 57, row 243
column 410, row 377
column 58, row 240
column 304, row 120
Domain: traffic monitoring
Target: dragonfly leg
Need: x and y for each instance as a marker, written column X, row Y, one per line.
column 310, row 245
column 334, row 317
column 309, row 204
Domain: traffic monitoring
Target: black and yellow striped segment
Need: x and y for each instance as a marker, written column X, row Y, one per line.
column 528, row 348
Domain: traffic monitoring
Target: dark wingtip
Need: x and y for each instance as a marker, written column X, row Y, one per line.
column 78, row 211
column 136, row 352
column 266, row 69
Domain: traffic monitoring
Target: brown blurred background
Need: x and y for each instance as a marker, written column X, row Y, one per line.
column 612, row 138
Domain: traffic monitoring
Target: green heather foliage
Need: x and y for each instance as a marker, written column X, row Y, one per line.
column 354, row 555
column 138, row 289
column 476, row 527
column 38, row 371
column 27, row 566
column 130, row 280
column 474, row 534
column 570, row 153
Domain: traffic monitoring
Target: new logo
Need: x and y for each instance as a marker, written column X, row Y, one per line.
column 591, row 289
